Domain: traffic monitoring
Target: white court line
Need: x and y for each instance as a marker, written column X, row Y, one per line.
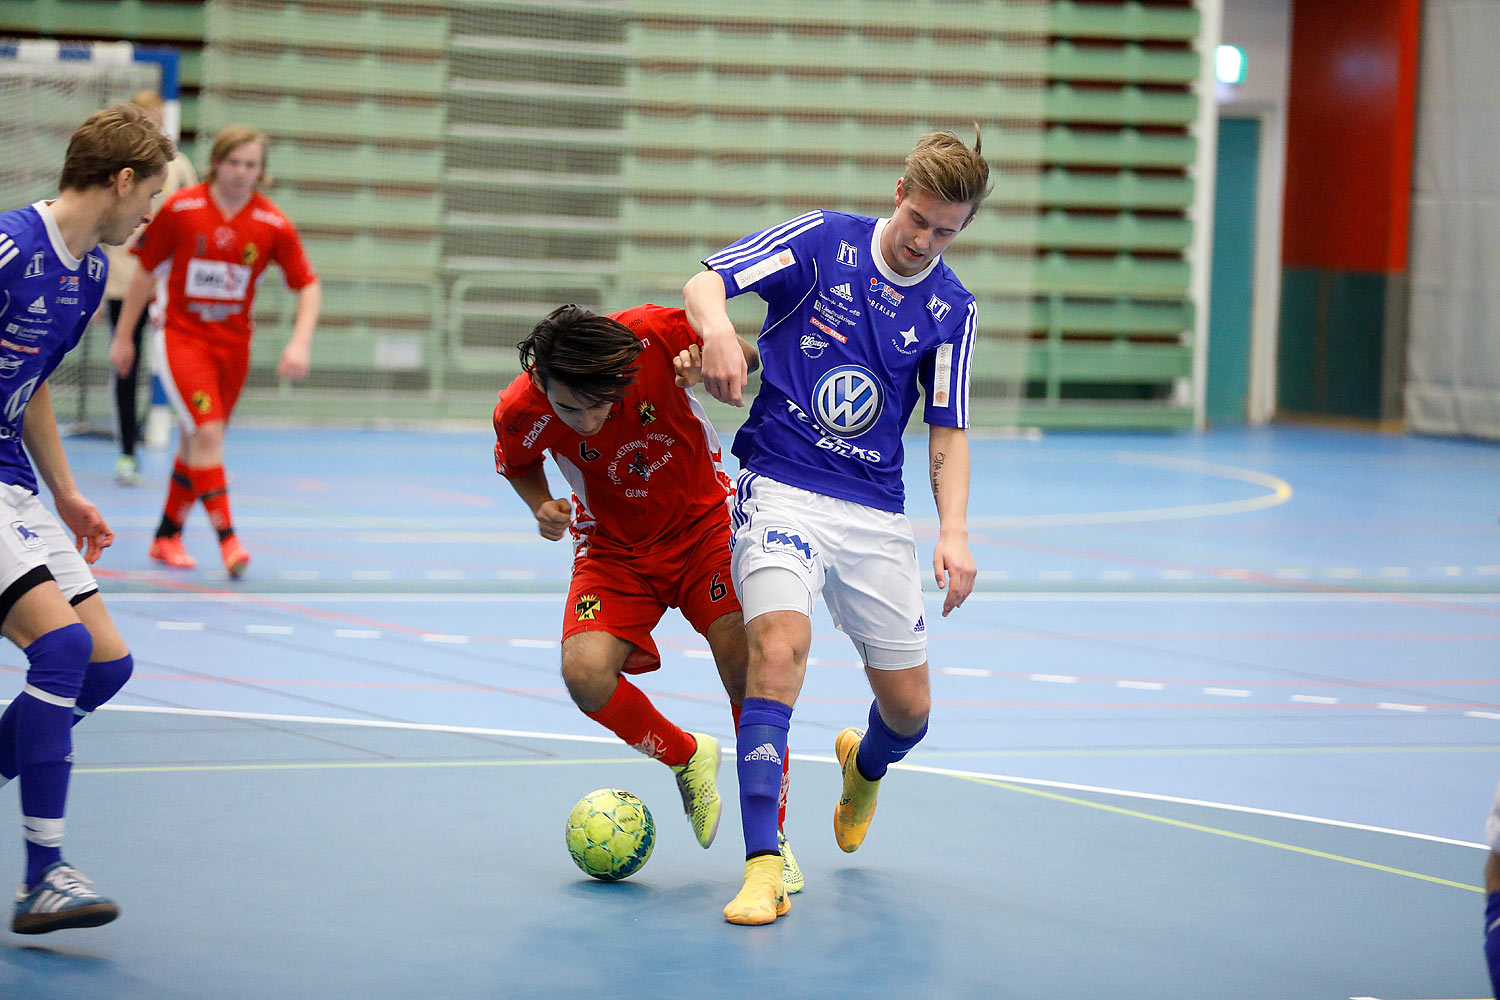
column 1140, row 685
column 269, row 629
column 918, row 768
column 1227, row 692
column 180, row 626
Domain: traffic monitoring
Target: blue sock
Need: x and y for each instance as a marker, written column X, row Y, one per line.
column 1492, row 940
column 102, row 682
column 881, row 747
column 761, row 747
column 44, row 739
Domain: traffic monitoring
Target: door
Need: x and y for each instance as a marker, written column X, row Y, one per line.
column 1232, row 277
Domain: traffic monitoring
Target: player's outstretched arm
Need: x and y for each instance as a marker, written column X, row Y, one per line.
column 296, row 358
column 948, row 468
column 725, row 370
column 44, row 445
column 552, row 515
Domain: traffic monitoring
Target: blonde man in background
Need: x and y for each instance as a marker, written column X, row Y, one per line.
column 122, row 268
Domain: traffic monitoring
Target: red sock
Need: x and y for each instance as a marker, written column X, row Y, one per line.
column 786, row 769
column 630, row 715
column 179, row 500
column 213, row 489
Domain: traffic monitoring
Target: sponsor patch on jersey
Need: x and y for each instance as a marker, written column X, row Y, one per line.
column 885, row 291
column 776, row 539
column 843, row 291
column 536, row 429
column 11, row 345
column 248, row 255
column 38, row 307
column 938, row 308
column 848, row 255
column 9, row 249
column 647, row 412
column 750, row 275
column 67, row 284
column 217, row 279
column 9, row 366
column 587, row 608
column 847, row 400
column 942, row 375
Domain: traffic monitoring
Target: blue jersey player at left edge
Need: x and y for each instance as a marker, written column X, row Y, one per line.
column 51, row 281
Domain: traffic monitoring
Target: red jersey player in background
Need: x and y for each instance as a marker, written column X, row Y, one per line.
column 217, row 238
column 606, row 396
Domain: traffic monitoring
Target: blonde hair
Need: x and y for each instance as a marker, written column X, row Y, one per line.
column 233, row 138
column 109, row 141
column 945, row 168
column 148, row 99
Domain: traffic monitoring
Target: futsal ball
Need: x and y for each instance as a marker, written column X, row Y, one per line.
column 610, row 834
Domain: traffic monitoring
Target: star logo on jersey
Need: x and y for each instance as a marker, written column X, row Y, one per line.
column 587, row 608
column 908, row 338
column 248, row 255
column 647, row 412
column 202, row 402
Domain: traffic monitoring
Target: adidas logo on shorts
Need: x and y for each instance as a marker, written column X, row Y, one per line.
column 764, row 752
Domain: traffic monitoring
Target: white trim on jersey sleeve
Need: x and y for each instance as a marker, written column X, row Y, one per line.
column 950, row 371
column 8, row 250
column 766, row 240
column 710, row 435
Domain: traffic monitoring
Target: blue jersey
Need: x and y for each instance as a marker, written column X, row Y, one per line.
column 847, row 343
column 47, row 297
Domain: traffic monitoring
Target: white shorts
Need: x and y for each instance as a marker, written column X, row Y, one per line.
column 862, row 560
column 31, row 538
column 1492, row 825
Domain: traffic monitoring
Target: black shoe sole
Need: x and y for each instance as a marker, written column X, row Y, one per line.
column 83, row 916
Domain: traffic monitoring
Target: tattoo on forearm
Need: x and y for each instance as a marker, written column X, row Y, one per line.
column 937, row 466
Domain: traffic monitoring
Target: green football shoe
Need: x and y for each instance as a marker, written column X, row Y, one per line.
column 700, row 794
column 791, row 872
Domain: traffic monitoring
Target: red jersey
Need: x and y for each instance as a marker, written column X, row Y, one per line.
column 217, row 262
column 653, row 468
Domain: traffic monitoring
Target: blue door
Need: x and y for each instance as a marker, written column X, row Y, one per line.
column 1232, row 287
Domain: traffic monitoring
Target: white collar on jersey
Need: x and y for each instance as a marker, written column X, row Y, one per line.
column 44, row 209
column 885, row 269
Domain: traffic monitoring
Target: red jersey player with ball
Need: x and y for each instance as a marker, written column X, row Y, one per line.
column 606, row 397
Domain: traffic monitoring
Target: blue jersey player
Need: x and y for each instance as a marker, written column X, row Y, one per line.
column 862, row 317
column 51, row 281
column 1492, row 895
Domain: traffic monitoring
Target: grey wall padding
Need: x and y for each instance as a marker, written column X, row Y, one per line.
column 1453, row 354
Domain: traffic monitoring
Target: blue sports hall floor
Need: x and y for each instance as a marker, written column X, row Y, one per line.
column 1221, row 720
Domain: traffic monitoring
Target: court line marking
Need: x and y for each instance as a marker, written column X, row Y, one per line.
column 1280, row 491
column 1230, row 834
column 816, row 758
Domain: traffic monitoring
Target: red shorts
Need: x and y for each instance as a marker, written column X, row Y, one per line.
column 203, row 378
column 625, row 594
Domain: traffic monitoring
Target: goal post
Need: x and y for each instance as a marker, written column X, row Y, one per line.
column 48, row 87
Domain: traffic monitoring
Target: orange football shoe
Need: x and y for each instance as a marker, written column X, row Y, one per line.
column 236, row 559
column 168, row 549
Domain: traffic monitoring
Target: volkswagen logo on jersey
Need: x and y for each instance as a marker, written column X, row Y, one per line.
column 847, row 400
